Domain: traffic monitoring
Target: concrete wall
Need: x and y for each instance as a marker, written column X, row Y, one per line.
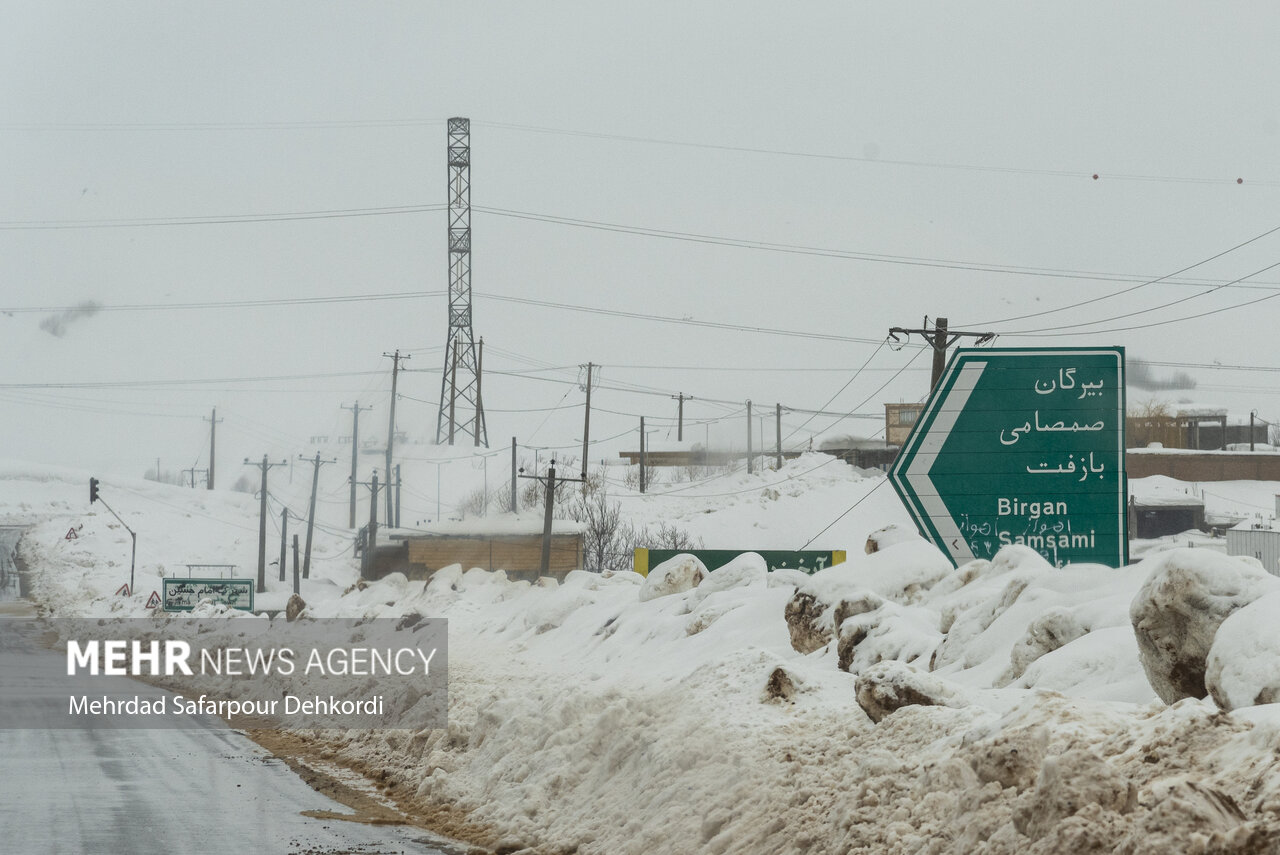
column 519, row 555
column 1218, row 466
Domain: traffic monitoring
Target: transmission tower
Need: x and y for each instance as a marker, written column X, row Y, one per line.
column 461, row 411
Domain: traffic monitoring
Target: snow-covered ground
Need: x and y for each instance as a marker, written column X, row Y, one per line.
column 591, row 717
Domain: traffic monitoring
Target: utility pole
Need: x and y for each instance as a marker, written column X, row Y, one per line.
column 750, row 463
column 586, row 427
column 192, row 475
column 295, row 564
column 682, row 397
column 391, row 426
column 549, row 482
column 370, row 543
column 515, row 508
column 778, row 416
column 355, row 450
column 479, row 400
column 213, row 446
column 642, row 461
column 311, row 514
column 940, row 338
column 284, row 540
column 262, row 522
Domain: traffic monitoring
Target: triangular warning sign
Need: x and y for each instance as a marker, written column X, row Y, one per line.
column 71, row 534
column 123, row 589
column 153, row 601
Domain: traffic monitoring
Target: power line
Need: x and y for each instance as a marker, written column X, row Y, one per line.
column 1153, row 323
column 1149, row 309
column 128, row 384
column 220, row 219
column 876, row 161
column 569, row 307
column 794, row 249
column 223, row 304
column 1166, row 277
column 220, row 126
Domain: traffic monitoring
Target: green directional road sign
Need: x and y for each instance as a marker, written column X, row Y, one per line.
column 1022, row 446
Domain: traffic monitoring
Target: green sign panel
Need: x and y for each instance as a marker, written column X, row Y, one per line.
column 1022, row 446
column 808, row 560
column 183, row 595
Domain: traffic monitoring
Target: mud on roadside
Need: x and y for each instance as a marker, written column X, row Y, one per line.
column 375, row 796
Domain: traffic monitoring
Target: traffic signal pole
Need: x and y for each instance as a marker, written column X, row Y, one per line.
column 133, row 554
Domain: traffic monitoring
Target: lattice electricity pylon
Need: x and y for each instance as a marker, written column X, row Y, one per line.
column 461, row 408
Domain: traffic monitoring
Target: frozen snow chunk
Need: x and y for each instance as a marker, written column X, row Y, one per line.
column 782, row 685
column 813, row 615
column 683, row 572
column 1188, row 808
column 787, row 576
column 1068, row 784
column 1011, row 758
column 554, row 609
column 888, row 536
column 1052, row 629
column 903, row 633
column 1187, row 595
column 747, row 568
column 446, row 579
column 622, row 577
column 1240, row 670
column 890, row 685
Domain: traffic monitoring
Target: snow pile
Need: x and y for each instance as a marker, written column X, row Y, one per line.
column 1185, row 598
column 888, row 704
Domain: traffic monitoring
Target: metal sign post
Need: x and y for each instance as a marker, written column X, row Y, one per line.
column 1022, row 446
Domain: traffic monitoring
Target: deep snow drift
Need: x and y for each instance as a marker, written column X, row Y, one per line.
column 762, row 712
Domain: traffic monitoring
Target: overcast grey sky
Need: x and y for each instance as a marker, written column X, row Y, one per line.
column 900, row 160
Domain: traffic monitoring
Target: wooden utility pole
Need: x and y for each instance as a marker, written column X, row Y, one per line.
column 284, row 541
column 940, row 338
column 642, row 460
column 391, row 424
column 515, row 507
column 295, row 564
column 682, row 397
column 586, row 427
column 355, row 450
column 549, row 482
column 311, row 514
column 750, row 463
column 213, row 445
column 778, row 416
column 262, row 522
column 371, row 539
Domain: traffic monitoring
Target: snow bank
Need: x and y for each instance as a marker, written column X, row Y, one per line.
column 890, row 704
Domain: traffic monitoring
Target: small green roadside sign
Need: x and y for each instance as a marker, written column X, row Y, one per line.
column 183, row 595
column 1022, row 446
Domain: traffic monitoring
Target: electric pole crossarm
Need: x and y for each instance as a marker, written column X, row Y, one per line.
column 941, row 339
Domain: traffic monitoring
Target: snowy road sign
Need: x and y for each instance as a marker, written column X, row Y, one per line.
column 182, row 595
column 1022, row 446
